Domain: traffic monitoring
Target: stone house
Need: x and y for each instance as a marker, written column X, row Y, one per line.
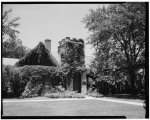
column 78, row 80
column 71, row 53
column 46, row 48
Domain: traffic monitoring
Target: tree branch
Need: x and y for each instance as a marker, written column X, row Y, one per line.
column 123, row 45
column 140, row 48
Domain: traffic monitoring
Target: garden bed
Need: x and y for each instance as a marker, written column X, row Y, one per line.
column 65, row 94
column 96, row 95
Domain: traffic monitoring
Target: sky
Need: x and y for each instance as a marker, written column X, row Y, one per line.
column 52, row 21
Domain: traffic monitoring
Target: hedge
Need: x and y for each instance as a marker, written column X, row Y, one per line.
column 29, row 81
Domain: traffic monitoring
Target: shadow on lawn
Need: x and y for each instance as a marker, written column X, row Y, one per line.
column 125, row 96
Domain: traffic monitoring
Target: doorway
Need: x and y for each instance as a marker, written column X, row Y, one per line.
column 77, row 82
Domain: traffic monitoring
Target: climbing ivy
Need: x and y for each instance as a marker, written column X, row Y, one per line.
column 72, row 53
column 72, row 56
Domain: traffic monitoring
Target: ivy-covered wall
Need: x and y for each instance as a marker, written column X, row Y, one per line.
column 37, row 56
column 71, row 52
column 30, row 80
column 72, row 59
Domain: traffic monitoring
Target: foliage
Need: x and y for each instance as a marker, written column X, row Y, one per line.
column 30, row 81
column 40, row 77
column 72, row 52
column 18, row 83
column 12, row 46
column 7, row 77
column 9, row 25
column 118, row 87
column 108, row 85
column 72, row 56
column 65, row 94
column 37, row 56
column 12, row 86
column 95, row 94
column 14, row 50
column 118, row 36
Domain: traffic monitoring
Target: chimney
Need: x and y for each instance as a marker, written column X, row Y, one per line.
column 48, row 44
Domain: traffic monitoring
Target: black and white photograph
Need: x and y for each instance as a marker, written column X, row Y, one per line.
column 75, row 60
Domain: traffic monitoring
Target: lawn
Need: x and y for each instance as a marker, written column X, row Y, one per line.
column 72, row 108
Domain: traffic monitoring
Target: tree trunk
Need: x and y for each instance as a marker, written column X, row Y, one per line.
column 132, row 80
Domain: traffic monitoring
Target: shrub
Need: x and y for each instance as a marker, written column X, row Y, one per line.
column 30, row 81
column 7, row 77
column 18, row 84
column 65, row 94
column 108, row 85
column 12, row 85
column 96, row 95
column 39, row 77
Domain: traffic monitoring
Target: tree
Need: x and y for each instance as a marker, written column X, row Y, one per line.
column 12, row 46
column 14, row 49
column 118, row 35
column 9, row 25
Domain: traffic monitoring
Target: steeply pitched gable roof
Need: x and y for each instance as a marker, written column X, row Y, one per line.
column 38, row 56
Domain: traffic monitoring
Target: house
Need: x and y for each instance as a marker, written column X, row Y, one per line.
column 40, row 55
column 40, row 51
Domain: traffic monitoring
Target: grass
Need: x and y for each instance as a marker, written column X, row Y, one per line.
column 73, row 108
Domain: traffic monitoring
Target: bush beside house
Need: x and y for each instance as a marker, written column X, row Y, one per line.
column 30, row 80
column 64, row 94
column 109, row 86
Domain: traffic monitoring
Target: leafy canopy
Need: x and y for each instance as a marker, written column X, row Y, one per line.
column 9, row 25
column 12, row 46
column 117, row 33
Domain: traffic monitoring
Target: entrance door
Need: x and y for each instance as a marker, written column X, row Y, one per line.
column 77, row 82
